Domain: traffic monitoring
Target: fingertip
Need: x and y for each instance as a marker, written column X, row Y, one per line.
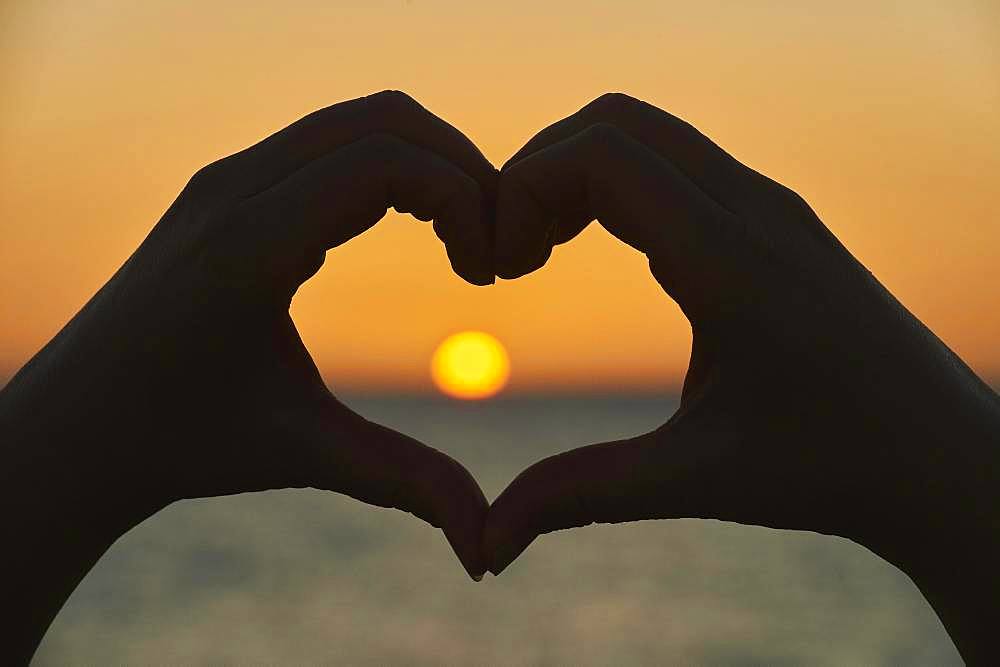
column 476, row 570
column 498, row 555
column 464, row 516
column 506, row 274
column 503, row 540
column 464, row 541
column 512, row 267
column 479, row 278
column 523, row 231
column 469, row 555
column 502, row 559
column 471, row 253
column 394, row 470
column 470, row 267
column 515, row 258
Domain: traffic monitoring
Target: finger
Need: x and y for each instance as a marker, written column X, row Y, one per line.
column 335, row 449
column 639, row 196
column 709, row 167
column 323, row 131
column 659, row 475
column 340, row 195
column 280, row 155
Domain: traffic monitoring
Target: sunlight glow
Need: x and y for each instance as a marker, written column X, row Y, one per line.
column 470, row 365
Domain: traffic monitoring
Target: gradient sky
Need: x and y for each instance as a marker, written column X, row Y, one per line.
column 884, row 116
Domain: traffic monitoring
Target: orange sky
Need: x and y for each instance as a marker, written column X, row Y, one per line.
column 886, row 120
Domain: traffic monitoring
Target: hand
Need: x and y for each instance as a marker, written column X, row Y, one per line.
column 185, row 377
column 813, row 399
column 196, row 324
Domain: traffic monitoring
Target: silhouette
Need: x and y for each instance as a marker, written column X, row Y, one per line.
column 813, row 401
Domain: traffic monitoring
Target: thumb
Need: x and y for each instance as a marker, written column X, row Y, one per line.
column 660, row 475
column 345, row 453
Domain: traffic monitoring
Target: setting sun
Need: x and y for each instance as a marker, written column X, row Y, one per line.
column 470, row 365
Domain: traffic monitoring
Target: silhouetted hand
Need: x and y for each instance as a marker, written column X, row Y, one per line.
column 185, row 377
column 813, row 400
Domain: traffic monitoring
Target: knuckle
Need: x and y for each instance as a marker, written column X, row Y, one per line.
column 795, row 201
column 684, row 128
column 210, row 180
column 611, row 104
column 389, row 103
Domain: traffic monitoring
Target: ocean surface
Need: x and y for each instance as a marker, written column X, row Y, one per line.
column 307, row 577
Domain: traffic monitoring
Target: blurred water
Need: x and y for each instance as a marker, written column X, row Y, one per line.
column 311, row 577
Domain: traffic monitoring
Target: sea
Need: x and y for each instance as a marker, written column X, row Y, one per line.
column 308, row 577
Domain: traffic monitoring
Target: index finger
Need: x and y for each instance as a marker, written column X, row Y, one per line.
column 637, row 195
column 391, row 112
column 721, row 176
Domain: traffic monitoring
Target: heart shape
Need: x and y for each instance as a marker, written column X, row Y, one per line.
column 206, row 296
column 802, row 366
column 802, row 369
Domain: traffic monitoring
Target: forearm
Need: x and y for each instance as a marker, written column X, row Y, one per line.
column 959, row 577
column 956, row 563
column 947, row 536
column 62, row 501
column 50, row 547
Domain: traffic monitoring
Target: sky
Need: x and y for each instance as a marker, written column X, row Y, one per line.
column 884, row 116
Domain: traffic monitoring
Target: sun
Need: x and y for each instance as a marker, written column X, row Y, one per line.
column 470, row 365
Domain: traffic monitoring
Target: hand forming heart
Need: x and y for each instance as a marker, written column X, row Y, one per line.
column 185, row 377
